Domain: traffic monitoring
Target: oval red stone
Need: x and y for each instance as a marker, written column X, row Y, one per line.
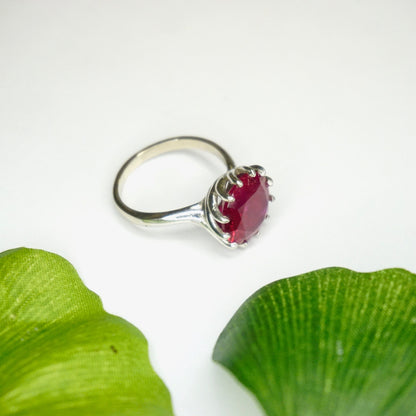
column 248, row 210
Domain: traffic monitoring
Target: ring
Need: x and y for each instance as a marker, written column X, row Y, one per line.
column 232, row 210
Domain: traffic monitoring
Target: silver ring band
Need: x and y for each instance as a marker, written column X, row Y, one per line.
column 205, row 212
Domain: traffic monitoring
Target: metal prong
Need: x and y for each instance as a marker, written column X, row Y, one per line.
column 257, row 234
column 267, row 217
column 226, row 236
column 269, row 181
column 214, row 210
column 243, row 245
column 227, row 243
column 272, row 198
column 218, row 216
column 248, row 169
column 261, row 171
column 233, row 178
column 220, row 192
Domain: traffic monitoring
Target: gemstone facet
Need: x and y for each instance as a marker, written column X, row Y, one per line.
column 248, row 210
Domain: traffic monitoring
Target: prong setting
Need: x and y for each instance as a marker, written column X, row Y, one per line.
column 248, row 169
column 233, row 178
column 219, row 194
column 259, row 169
column 224, row 196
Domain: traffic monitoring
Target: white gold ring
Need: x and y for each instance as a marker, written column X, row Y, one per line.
column 234, row 207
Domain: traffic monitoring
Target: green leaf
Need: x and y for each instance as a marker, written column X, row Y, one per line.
column 61, row 354
column 328, row 343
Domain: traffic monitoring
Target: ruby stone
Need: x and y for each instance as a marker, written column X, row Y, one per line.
column 248, row 210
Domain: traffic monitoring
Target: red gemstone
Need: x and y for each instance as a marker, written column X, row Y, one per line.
column 248, row 210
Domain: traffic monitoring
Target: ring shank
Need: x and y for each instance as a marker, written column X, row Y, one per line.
column 189, row 213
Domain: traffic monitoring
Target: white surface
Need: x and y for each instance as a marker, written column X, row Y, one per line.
column 321, row 93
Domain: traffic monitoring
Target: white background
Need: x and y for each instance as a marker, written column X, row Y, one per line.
column 321, row 93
